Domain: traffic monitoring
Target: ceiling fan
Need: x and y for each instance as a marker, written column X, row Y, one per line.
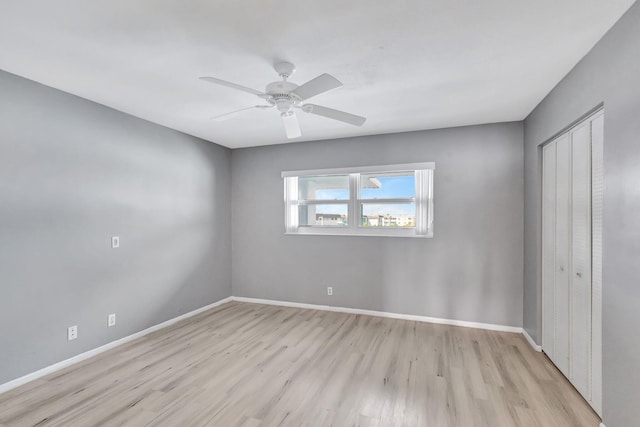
column 287, row 96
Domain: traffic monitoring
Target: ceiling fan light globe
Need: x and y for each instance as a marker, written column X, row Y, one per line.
column 283, row 105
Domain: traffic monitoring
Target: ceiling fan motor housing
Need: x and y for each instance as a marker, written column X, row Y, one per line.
column 280, row 95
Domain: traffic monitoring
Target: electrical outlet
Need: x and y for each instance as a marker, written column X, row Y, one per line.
column 72, row 332
column 111, row 320
column 115, row 242
column 329, row 291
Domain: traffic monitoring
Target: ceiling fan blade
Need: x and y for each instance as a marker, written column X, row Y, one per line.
column 232, row 114
column 322, row 83
column 319, row 110
column 231, row 85
column 291, row 126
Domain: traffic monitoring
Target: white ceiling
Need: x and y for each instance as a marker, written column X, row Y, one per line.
column 405, row 64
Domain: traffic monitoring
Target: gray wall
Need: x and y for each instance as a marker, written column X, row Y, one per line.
column 74, row 173
column 610, row 74
column 472, row 268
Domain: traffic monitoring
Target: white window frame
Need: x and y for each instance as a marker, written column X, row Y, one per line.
column 423, row 201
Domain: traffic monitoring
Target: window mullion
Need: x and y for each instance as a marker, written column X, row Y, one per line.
column 354, row 195
column 323, row 202
column 388, row 201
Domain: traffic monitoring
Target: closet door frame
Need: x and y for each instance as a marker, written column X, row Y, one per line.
column 596, row 120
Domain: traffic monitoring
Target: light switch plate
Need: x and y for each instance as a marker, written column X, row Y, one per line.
column 111, row 320
column 115, row 242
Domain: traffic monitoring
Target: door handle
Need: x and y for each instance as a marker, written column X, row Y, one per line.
column 579, row 275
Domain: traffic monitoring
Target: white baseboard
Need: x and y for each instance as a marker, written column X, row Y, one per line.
column 464, row 323
column 531, row 342
column 83, row 356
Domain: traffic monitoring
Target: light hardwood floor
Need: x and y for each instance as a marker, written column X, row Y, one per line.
column 252, row 365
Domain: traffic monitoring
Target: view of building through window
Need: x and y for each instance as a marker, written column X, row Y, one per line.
column 395, row 216
column 323, row 215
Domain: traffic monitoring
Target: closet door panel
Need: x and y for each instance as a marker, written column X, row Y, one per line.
column 563, row 255
column 580, row 373
column 597, row 189
column 548, row 247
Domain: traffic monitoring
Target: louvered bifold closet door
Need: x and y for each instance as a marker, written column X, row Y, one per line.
column 562, row 291
column 549, row 246
column 580, row 361
column 597, row 192
column 572, row 195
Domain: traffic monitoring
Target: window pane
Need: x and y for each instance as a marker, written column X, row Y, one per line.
column 394, row 185
column 332, row 187
column 323, row 215
column 388, row 215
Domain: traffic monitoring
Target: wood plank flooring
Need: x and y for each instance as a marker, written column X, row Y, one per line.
column 252, row 365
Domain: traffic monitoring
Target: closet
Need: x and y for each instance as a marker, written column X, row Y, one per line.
column 572, row 255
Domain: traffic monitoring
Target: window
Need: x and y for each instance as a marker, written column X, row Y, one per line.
column 323, row 201
column 392, row 200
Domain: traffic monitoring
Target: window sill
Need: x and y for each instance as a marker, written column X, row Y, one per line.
column 410, row 236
